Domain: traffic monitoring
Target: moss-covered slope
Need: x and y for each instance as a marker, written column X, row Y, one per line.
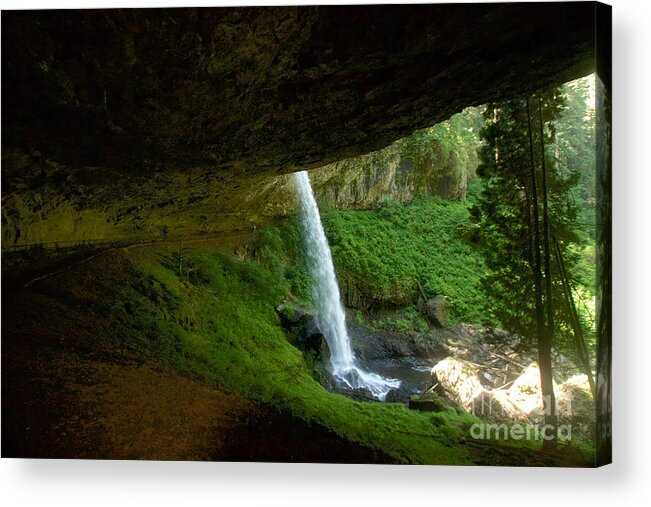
column 200, row 314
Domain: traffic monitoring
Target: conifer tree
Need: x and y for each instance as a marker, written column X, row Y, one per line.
column 525, row 202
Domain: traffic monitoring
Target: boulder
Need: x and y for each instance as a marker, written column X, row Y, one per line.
column 526, row 393
column 457, row 379
column 430, row 402
column 499, row 355
column 460, row 381
column 316, row 344
column 302, row 331
column 576, row 406
column 495, row 405
column 399, row 395
column 485, row 373
column 435, row 311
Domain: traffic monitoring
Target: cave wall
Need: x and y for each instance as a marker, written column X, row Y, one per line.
column 145, row 123
column 72, row 207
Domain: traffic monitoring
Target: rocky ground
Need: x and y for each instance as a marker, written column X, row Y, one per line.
column 489, row 372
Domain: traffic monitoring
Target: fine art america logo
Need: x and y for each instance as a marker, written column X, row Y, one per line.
column 518, row 430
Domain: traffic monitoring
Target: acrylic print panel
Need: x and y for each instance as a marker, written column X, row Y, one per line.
column 351, row 234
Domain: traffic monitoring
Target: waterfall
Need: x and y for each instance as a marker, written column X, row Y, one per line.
column 330, row 314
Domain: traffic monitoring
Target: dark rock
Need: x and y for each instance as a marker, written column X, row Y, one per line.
column 430, row 402
column 302, row 330
column 330, row 383
column 399, row 395
column 292, row 314
column 358, row 394
column 371, row 344
column 107, row 97
column 435, row 311
column 317, row 344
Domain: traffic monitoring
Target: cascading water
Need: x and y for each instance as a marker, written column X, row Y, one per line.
column 331, row 318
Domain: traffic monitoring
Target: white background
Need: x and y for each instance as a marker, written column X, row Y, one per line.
column 626, row 482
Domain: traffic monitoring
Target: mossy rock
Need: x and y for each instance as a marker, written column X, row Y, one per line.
column 430, row 402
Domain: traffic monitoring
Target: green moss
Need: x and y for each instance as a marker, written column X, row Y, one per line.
column 406, row 320
column 221, row 327
column 52, row 221
column 225, row 331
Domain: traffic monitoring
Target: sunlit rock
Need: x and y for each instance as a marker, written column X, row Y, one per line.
column 457, row 379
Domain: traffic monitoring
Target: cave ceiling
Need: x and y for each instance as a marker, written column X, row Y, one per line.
column 170, row 101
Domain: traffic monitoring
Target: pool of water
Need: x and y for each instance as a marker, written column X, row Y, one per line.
column 413, row 372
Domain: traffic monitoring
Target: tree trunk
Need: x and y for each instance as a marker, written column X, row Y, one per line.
column 549, row 335
column 579, row 339
column 544, row 345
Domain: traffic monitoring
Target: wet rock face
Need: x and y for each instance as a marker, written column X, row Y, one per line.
column 173, row 97
column 302, row 331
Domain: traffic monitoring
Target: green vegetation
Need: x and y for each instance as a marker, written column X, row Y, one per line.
column 213, row 317
column 216, row 321
column 575, row 149
column 389, row 257
column 445, row 155
column 383, row 255
column 506, row 211
column 406, row 320
column 219, row 325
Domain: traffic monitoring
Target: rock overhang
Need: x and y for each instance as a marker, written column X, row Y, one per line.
column 169, row 101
